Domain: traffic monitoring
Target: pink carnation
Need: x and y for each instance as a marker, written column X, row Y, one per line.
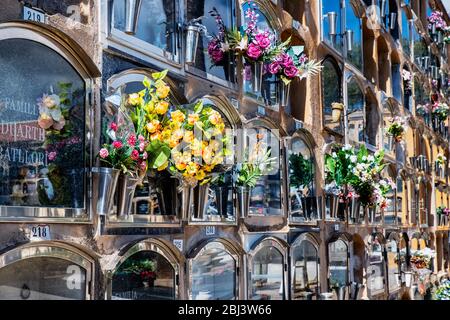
column 291, row 71
column 103, row 153
column 274, row 67
column 113, row 126
column 132, row 140
column 135, row 155
column 52, row 156
column 117, row 144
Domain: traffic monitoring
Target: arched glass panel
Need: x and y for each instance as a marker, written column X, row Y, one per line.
column 225, row 8
column 354, row 23
column 146, row 275
column 213, row 274
column 268, row 93
column 267, row 274
column 42, row 131
column 306, row 270
column 331, row 92
column 156, row 23
column 334, row 7
column 338, row 264
column 375, row 267
column 355, row 113
column 302, row 203
column 265, row 197
column 43, row 278
column 406, row 33
column 393, row 265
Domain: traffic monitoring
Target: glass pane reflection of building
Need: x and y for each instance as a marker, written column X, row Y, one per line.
column 146, row 275
column 213, row 274
column 42, row 126
column 267, row 275
column 42, row 278
column 338, row 264
column 306, row 270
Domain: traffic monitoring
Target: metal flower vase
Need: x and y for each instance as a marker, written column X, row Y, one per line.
column 257, row 76
column 354, row 210
column 201, row 196
column 340, row 292
column 192, row 37
column 332, row 205
column 221, row 194
column 104, row 184
column 125, row 191
column 132, row 9
column 243, row 200
column 285, row 90
column 186, row 192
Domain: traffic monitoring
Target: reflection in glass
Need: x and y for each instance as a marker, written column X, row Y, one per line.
column 393, row 266
column 331, row 92
column 306, row 269
column 268, row 94
column 332, row 6
column 42, row 128
column 146, row 275
column 42, row 279
column 302, row 202
column 213, row 274
column 355, row 112
column 406, row 34
column 375, row 268
column 338, row 264
column 267, row 275
column 354, row 23
column 202, row 9
column 265, row 197
column 156, row 23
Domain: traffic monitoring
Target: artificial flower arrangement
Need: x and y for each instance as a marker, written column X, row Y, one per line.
column 219, row 44
column 407, row 81
column 257, row 45
column 437, row 18
column 443, row 211
column 198, row 143
column 257, row 163
column 441, row 159
column 440, row 110
column 423, row 109
column 358, row 174
column 421, row 259
column 143, row 268
column 443, row 291
column 397, row 128
column 64, row 133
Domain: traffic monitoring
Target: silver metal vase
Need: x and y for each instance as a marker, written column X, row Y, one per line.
column 125, row 188
column 104, row 184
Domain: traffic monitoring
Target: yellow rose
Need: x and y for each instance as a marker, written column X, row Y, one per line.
column 166, row 134
column 178, row 134
column 173, row 142
column 134, row 99
column 196, row 148
column 152, row 126
column 150, row 107
column 200, row 175
column 162, row 107
column 162, row 91
column 188, row 136
column 164, row 166
column 155, row 136
column 177, row 116
column 193, row 118
column 191, row 168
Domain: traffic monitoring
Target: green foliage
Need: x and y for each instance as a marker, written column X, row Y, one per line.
column 301, row 170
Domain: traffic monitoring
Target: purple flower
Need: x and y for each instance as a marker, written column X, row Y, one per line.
column 291, row 71
column 287, row 61
column 274, row 67
column 215, row 52
column 254, row 51
column 247, row 72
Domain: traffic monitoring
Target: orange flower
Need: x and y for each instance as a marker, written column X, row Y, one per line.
column 180, row 166
column 152, row 126
column 188, row 136
column 215, row 117
column 177, row 116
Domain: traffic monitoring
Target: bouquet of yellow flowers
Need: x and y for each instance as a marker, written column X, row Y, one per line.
column 197, row 139
column 149, row 112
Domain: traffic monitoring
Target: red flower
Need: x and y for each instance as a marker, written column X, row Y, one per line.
column 132, row 140
column 117, row 144
column 113, row 126
column 135, row 155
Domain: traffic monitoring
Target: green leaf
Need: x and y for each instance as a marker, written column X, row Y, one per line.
column 159, row 75
column 146, row 82
column 198, row 106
